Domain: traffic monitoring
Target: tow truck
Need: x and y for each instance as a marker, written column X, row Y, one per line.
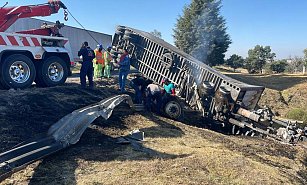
column 42, row 55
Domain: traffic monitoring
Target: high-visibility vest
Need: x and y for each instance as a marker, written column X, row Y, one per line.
column 107, row 58
column 99, row 57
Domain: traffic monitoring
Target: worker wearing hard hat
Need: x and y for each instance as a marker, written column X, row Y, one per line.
column 107, row 63
column 98, row 62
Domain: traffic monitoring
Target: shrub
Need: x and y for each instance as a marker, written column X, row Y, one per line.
column 278, row 66
column 299, row 114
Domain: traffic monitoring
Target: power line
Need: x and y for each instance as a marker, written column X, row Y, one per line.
column 83, row 27
column 86, row 30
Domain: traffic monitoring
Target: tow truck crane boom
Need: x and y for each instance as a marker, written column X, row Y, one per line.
column 10, row 15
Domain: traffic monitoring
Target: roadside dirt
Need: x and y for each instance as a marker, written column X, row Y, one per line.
column 177, row 153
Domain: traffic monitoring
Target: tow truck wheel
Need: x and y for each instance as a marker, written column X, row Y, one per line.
column 1, row 86
column 173, row 110
column 51, row 72
column 17, row 71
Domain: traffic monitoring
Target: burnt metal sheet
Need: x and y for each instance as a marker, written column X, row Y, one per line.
column 69, row 129
column 63, row 133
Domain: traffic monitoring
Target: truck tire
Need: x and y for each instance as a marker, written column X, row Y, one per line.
column 168, row 60
column 130, row 36
column 17, row 71
column 51, row 72
column 173, row 110
column 120, row 30
column 1, row 87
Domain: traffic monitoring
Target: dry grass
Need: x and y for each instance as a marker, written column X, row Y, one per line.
column 277, row 82
column 182, row 155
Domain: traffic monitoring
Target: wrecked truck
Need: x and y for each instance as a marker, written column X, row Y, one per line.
column 219, row 98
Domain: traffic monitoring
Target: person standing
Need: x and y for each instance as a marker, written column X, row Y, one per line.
column 98, row 62
column 87, row 65
column 107, row 60
column 124, row 68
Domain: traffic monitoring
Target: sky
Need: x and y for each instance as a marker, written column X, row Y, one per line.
column 281, row 24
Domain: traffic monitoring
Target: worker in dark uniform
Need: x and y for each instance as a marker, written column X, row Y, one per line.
column 139, row 84
column 87, row 65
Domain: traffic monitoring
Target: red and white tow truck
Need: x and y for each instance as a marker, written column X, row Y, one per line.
column 42, row 55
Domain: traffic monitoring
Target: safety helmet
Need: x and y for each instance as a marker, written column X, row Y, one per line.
column 99, row 46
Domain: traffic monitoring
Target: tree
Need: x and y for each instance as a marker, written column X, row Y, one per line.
column 305, row 61
column 278, row 66
column 235, row 61
column 258, row 57
column 201, row 32
column 156, row 33
column 295, row 64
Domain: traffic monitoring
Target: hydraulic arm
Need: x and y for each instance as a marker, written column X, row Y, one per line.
column 10, row 15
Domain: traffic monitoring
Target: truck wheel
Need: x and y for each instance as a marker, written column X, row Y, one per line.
column 168, row 60
column 1, row 87
column 173, row 110
column 17, row 71
column 120, row 30
column 130, row 36
column 51, row 72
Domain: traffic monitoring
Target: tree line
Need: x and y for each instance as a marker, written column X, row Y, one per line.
column 261, row 59
column 201, row 32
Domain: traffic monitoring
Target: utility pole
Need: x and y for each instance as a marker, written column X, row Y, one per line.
column 305, row 61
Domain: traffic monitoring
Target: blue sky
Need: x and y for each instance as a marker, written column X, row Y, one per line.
column 281, row 24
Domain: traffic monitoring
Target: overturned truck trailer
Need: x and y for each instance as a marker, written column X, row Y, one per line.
column 219, row 98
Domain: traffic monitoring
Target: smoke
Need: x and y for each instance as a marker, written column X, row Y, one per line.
column 209, row 33
column 208, row 30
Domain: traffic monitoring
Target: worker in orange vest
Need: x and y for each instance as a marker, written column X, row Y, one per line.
column 98, row 62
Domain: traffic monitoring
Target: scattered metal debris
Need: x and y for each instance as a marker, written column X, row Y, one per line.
column 137, row 135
